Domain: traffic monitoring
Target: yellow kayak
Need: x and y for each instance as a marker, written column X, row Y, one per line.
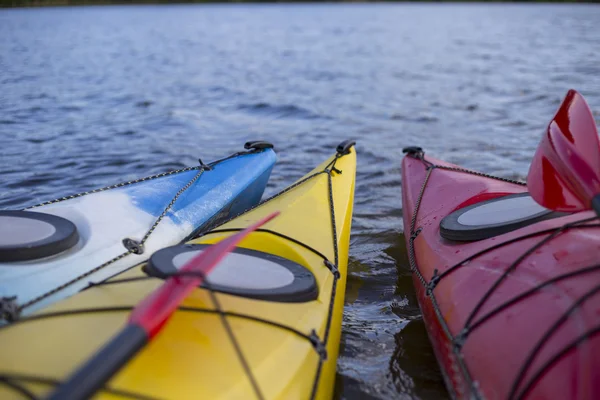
column 266, row 325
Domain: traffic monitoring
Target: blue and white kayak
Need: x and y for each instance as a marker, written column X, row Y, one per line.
column 55, row 249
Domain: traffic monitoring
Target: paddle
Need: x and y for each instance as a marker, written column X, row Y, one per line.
column 147, row 319
column 565, row 172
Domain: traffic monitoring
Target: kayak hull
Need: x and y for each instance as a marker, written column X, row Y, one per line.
column 503, row 313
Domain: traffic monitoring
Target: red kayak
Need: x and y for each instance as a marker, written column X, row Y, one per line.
column 509, row 290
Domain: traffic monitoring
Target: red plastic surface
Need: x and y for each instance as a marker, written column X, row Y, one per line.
column 565, row 171
column 495, row 351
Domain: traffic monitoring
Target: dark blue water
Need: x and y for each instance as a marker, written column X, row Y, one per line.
column 92, row 96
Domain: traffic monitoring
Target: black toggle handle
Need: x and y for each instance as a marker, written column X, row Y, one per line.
column 258, row 145
column 344, row 147
column 412, row 150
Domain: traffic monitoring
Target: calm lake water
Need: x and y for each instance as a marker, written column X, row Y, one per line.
column 91, row 96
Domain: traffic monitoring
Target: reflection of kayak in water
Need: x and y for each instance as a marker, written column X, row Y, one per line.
column 273, row 333
column 54, row 250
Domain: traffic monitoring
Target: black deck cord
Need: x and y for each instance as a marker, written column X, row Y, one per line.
column 54, row 314
column 18, row 388
column 250, row 318
column 233, row 339
column 534, row 352
column 334, row 269
column 531, row 291
column 83, row 311
column 553, row 233
column 54, row 382
column 117, row 281
column 281, row 235
column 429, row 293
column 587, row 335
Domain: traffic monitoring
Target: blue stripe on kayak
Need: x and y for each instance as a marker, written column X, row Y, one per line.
column 215, row 189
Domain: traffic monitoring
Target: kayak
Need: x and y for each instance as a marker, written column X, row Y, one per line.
column 509, row 290
column 55, row 249
column 265, row 324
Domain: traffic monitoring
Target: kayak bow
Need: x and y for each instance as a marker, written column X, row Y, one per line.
column 273, row 333
column 509, row 291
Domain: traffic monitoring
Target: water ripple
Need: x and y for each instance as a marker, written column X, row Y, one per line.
column 279, row 111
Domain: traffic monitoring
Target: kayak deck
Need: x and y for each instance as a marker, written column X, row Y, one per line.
column 216, row 344
column 513, row 316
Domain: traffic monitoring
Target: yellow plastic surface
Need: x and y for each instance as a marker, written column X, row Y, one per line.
column 193, row 357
